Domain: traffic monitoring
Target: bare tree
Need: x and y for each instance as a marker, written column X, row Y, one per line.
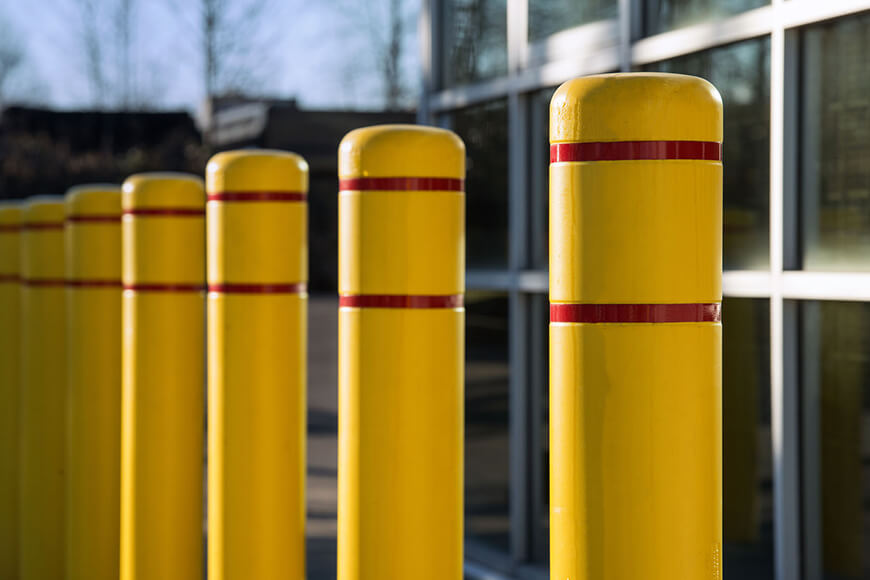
column 11, row 58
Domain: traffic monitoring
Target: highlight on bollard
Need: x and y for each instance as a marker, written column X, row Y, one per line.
column 93, row 461
column 635, row 333
column 401, row 353
column 43, row 404
column 163, row 369
column 257, row 222
column 10, row 388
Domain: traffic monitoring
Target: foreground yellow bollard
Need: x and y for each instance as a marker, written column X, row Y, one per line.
column 635, row 337
column 163, row 232
column 43, row 390
column 257, row 308
column 10, row 226
column 93, row 272
column 401, row 349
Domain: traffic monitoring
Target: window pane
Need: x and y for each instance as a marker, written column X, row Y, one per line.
column 835, row 386
column 663, row 15
column 549, row 16
column 539, row 224
column 746, row 439
column 484, row 130
column 741, row 72
column 487, row 516
column 475, row 37
column 835, row 168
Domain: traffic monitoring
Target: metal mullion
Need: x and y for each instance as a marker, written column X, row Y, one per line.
column 797, row 13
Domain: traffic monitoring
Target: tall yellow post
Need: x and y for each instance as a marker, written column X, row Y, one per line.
column 163, row 377
column 635, row 333
column 10, row 388
column 401, row 349
column 257, row 222
column 93, row 272
column 43, row 390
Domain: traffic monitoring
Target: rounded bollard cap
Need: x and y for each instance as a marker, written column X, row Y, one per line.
column 47, row 210
column 636, row 107
column 256, row 170
column 163, row 191
column 401, row 151
column 10, row 213
column 94, row 200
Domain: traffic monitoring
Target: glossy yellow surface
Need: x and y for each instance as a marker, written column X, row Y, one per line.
column 401, row 370
column 635, row 408
column 163, row 375
column 636, row 107
column 635, row 451
column 10, row 339
column 93, row 253
column 400, row 449
column 257, row 370
column 43, row 394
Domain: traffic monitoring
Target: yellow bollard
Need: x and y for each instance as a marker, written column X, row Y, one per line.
column 93, row 272
column 257, row 308
column 635, row 337
column 10, row 226
column 43, row 390
column 401, row 350
column 163, row 377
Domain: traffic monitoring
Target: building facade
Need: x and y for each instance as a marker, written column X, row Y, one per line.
column 795, row 80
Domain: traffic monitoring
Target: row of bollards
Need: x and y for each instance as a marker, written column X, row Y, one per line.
column 104, row 325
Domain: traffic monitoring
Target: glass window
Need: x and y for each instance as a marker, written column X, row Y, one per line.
column 835, row 138
column 539, row 225
column 741, row 72
column 664, row 15
column 746, row 439
column 484, row 129
column 549, row 16
column 475, row 37
column 835, row 386
column 487, row 452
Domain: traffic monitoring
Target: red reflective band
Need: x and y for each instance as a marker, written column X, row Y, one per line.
column 401, row 184
column 94, row 218
column 10, row 278
column 633, row 150
column 165, row 211
column 399, row 301
column 258, row 196
column 93, row 283
column 164, row 287
column 294, row 288
column 43, row 226
column 634, row 313
column 9, row 228
column 44, row 282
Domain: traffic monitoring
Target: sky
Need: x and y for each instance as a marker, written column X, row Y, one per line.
column 318, row 51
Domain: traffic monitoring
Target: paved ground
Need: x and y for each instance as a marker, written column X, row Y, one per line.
column 322, row 435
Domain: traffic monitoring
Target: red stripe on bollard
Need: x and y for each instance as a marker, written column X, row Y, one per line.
column 635, row 150
column 166, row 211
column 93, row 283
column 635, row 313
column 248, row 196
column 401, row 184
column 164, row 287
column 400, row 301
column 293, row 288
column 94, row 218
column 44, row 282
column 42, row 226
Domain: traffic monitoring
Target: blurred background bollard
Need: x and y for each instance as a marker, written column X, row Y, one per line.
column 43, row 390
column 93, row 272
column 10, row 228
column 401, row 353
column 257, row 315
column 635, row 337
column 163, row 368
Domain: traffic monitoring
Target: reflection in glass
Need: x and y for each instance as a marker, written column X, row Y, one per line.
column 485, row 132
column 487, row 516
column 664, row 15
column 836, row 439
column 746, row 439
column 741, row 72
column 835, row 159
column 475, row 36
column 550, row 16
